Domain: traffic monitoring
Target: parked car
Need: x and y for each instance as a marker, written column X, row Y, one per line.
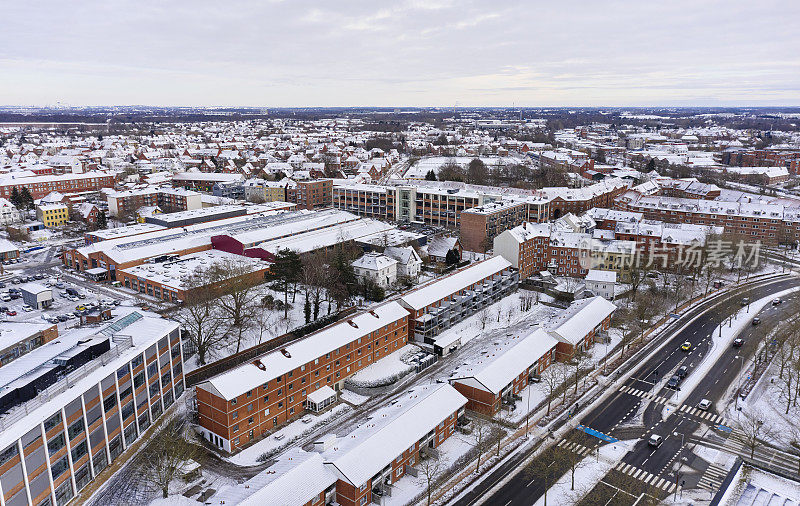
column 27, row 308
column 655, row 441
column 5, row 297
column 62, row 318
column 11, row 313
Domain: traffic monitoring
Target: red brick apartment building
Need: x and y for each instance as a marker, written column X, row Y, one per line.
column 311, row 194
column 169, row 200
column 40, row 186
column 756, row 222
column 362, row 466
column 252, row 400
column 505, row 370
column 480, row 225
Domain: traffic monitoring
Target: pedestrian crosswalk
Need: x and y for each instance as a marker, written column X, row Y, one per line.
column 575, row 447
column 713, row 477
column 705, row 415
column 648, row 478
column 644, row 395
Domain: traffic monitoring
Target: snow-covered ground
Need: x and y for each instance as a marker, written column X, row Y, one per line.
column 769, row 401
column 290, row 434
column 387, row 370
column 587, row 474
column 352, row 397
column 408, row 487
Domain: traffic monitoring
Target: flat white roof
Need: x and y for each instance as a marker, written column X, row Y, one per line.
column 295, row 479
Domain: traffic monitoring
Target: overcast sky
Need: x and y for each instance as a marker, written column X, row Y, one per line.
column 400, row 53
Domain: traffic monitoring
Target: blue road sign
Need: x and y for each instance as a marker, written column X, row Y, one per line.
column 597, row 434
column 723, row 428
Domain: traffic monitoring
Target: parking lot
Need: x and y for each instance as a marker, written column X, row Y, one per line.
column 69, row 301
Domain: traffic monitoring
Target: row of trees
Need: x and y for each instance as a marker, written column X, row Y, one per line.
column 226, row 307
column 516, row 175
column 22, row 199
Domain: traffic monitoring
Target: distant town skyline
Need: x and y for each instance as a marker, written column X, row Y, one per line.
column 413, row 53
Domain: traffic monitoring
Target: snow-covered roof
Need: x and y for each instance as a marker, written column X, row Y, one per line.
column 237, row 381
column 507, row 360
column 601, row 276
column 374, row 262
column 295, row 479
column 580, row 318
column 459, row 280
column 7, row 246
column 390, row 431
column 439, row 246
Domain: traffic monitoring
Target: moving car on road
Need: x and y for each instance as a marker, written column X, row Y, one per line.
column 775, row 302
column 756, row 321
column 655, row 440
column 673, row 382
column 704, row 404
column 738, row 342
column 686, row 346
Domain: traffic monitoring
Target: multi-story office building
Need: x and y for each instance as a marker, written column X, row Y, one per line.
column 252, row 400
column 73, row 405
column 310, row 194
column 480, row 225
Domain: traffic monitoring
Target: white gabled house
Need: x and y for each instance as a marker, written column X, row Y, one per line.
column 376, row 267
column 409, row 264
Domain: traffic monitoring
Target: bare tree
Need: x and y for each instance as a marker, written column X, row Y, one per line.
column 481, row 439
column 581, row 361
column 430, row 467
column 201, row 318
column 753, row 429
column 166, row 455
column 236, row 295
column 575, row 460
column 551, row 380
column 547, row 468
column 484, row 318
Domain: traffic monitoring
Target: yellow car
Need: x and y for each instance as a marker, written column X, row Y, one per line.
column 80, row 307
column 686, row 346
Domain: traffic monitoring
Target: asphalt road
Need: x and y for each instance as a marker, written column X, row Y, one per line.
column 621, row 411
